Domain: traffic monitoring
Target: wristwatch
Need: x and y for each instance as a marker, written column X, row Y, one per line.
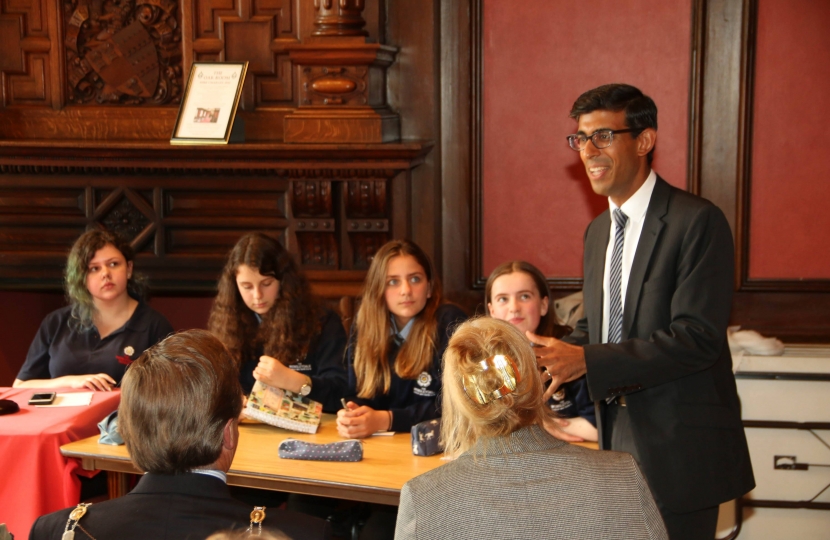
column 305, row 389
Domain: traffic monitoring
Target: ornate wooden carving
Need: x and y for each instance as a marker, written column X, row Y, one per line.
column 342, row 81
column 25, row 53
column 364, row 246
column 186, row 208
column 256, row 32
column 127, row 52
column 338, row 18
column 366, row 198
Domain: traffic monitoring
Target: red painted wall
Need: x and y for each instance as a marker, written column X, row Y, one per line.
column 790, row 191
column 539, row 56
column 22, row 313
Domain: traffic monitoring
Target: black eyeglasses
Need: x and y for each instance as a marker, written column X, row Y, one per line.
column 602, row 138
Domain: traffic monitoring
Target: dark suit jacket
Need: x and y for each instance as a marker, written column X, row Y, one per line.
column 188, row 506
column 673, row 365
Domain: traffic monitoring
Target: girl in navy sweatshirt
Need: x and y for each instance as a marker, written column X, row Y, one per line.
column 396, row 344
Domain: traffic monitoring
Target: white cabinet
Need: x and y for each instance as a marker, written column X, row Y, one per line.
column 785, row 404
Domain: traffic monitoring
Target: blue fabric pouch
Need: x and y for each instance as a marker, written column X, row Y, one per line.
column 425, row 438
column 351, row 450
column 109, row 430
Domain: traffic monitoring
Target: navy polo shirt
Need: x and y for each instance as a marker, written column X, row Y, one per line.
column 58, row 350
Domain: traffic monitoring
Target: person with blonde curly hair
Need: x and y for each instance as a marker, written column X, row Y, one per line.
column 509, row 477
column 92, row 341
column 517, row 292
column 275, row 329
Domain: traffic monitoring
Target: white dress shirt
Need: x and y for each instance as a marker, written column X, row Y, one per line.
column 635, row 208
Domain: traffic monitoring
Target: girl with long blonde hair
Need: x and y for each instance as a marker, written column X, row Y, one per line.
column 395, row 348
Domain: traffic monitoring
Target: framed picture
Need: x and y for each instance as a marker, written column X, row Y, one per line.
column 208, row 110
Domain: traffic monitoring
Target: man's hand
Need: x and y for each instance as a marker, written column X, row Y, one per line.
column 564, row 362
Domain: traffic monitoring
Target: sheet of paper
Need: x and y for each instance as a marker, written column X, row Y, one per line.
column 75, row 399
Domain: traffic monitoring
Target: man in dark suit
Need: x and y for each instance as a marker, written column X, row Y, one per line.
column 180, row 404
column 657, row 293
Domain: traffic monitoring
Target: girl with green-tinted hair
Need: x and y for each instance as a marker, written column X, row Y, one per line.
column 90, row 342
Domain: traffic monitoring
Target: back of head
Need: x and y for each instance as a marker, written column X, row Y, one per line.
column 464, row 420
column 640, row 110
column 175, row 401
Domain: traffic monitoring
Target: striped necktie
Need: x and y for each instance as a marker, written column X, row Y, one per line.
column 615, row 311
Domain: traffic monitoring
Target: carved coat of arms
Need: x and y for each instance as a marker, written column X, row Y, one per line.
column 123, row 51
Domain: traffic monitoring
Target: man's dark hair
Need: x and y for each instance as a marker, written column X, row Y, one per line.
column 640, row 110
column 175, row 401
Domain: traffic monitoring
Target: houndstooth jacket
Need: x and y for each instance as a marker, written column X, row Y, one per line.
column 530, row 485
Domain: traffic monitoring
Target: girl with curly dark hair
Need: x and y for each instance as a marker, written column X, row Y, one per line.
column 275, row 329
column 90, row 342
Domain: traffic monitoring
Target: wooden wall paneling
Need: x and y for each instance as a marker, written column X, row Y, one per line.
column 457, row 98
column 693, row 178
column 744, row 182
column 26, row 53
column 477, row 279
column 791, row 310
column 719, row 110
column 744, row 142
column 413, row 91
column 367, row 205
column 342, row 76
column 116, row 71
column 122, row 54
column 183, row 208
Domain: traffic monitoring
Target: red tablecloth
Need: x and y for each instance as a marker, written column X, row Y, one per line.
column 35, row 478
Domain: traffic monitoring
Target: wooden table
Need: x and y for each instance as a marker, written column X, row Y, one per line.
column 387, row 464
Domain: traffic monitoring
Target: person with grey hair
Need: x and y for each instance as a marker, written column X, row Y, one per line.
column 509, row 477
column 179, row 414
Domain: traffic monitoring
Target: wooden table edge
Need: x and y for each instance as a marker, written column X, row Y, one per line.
column 118, row 467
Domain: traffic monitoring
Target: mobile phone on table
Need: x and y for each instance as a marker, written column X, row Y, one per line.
column 44, row 398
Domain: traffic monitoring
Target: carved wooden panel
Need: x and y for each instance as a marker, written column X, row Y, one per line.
column 253, row 31
column 24, row 52
column 344, row 86
column 183, row 211
column 126, row 53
